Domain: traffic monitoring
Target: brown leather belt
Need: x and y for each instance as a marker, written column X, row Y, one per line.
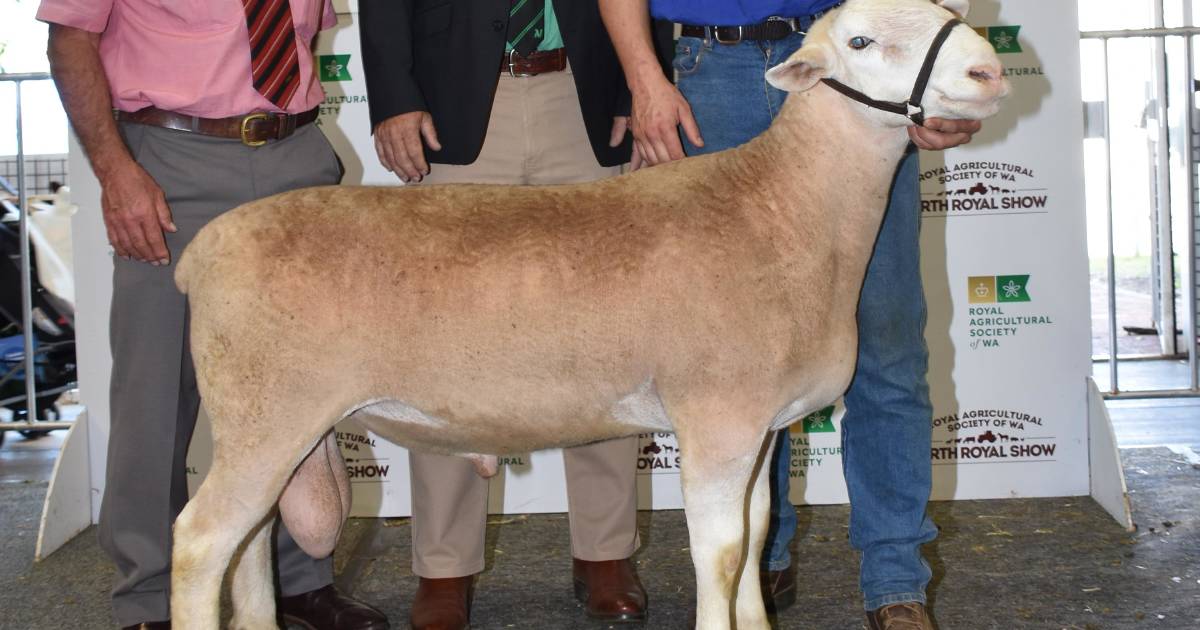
column 536, row 62
column 774, row 28
column 252, row 129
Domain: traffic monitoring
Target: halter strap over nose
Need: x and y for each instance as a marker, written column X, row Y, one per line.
column 912, row 108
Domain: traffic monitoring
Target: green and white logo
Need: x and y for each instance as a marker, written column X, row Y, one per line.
column 334, row 67
column 818, row 421
column 1012, row 288
column 1002, row 38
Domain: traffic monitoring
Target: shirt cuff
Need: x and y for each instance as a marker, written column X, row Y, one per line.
column 93, row 22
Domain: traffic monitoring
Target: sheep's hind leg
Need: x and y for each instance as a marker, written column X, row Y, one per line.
column 236, row 501
column 716, row 471
column 207, row 533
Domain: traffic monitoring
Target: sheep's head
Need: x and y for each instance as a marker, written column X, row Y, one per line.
column 877, row 47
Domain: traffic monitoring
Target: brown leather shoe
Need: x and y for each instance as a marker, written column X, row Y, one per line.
column 778, row 589
column 903, row 616
column 328, row 609
column 150, row 625
column 610, row 590
column 443, row 603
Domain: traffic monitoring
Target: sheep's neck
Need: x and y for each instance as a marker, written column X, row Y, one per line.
column 822, row 171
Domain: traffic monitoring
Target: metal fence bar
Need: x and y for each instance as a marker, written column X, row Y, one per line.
column 1112, row 259
column 1144, row 32
column 1189, row 285
column 1151, row 394
column 26, row 267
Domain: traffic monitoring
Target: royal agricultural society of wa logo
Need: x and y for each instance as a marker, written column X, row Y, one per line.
column 991, row 435
column 807, row 456
column 981, row 187
column 358, row 449
column 999, row 310
column 1006, row 41
column 657, row 453
column 336, row 69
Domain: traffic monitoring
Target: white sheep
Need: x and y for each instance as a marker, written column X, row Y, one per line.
column 714, row 297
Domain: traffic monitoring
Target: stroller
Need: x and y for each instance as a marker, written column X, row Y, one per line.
column 53, row 335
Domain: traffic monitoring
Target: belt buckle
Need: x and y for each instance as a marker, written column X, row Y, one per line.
column 513, row 73
column 246, row 121
column 716, row 31
column 791, row 22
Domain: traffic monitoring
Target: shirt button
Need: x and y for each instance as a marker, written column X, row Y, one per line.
column 497, row 25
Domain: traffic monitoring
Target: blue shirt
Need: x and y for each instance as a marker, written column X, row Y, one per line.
column 733, row 12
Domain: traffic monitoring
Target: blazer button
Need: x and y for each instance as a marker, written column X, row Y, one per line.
column 497, row 25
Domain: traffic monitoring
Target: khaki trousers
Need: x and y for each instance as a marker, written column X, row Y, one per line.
column 535, row 136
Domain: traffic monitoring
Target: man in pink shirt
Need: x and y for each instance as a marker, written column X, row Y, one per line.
column 186, row 109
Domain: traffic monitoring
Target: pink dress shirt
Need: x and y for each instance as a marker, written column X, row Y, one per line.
column 188, row 56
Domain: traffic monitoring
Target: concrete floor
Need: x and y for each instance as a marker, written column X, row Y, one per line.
column 1046, row 563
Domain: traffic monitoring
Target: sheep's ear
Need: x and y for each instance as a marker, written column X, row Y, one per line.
column 802, row 70
column 957, row 7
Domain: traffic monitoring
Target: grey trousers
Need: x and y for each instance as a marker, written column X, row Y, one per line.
column 153, row 398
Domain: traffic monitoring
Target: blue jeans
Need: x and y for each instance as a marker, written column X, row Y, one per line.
column 886, row 430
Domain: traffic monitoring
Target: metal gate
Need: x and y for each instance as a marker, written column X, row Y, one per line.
column 28, row 358
column 1173, row 202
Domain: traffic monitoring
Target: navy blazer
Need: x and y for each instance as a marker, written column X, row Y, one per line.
column 443, row 57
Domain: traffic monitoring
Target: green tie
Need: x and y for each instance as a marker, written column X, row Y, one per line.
column 526, row 25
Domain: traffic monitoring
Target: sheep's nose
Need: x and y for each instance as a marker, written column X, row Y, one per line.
column 986, row 73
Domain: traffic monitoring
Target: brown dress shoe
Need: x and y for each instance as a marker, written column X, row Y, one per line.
column 610, row 590
column 778, row 588
column 443, row 603
column 328, row 609
column 150, row 625
column 903, row 616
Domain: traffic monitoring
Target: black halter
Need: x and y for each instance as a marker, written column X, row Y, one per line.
column 912, row 108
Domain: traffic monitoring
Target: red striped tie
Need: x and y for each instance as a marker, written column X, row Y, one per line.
column 273, row 59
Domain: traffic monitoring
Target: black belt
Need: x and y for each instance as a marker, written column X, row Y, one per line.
column 773, row 29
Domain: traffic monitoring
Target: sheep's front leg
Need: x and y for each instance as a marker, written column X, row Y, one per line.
column 751, row 612
column 253, row 588
column 716, row 474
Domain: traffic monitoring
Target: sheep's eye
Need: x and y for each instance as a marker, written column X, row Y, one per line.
column 860, row 42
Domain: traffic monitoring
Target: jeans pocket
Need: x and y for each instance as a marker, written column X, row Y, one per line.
column 688, row 51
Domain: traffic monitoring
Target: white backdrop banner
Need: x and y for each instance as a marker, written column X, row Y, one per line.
column 1005, row 268
column 1006, row 279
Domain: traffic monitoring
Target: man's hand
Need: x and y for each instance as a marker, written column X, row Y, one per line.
column 658, row 107
column 619, row 129
column 135, row 210
column 942, row 133
column 658, row 110
column 398, row 143
column 135, row 214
